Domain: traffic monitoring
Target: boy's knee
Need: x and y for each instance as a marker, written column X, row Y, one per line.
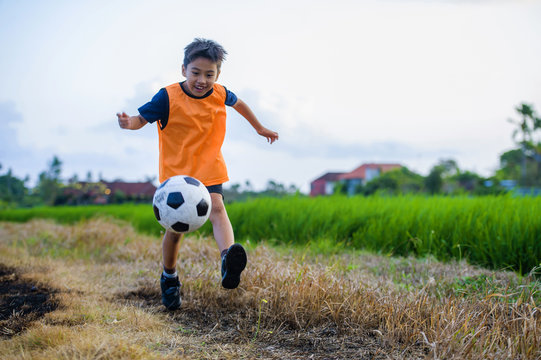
column 218, row 208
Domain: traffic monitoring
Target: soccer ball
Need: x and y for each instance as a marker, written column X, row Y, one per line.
column 181, row 204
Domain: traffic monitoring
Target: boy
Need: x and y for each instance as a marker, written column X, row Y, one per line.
column 191, row 126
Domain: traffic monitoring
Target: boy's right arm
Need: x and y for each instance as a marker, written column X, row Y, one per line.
column 130, row 122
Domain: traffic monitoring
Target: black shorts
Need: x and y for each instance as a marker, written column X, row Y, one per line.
column 218, row 189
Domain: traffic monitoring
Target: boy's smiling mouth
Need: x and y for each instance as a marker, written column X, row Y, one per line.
column 199, row 88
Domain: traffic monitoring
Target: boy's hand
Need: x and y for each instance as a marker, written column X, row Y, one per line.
column 271, row 136
column 130, row 122
column 123, row 120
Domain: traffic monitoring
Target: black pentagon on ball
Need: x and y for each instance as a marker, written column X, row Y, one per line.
column 162, row 184
column 180, row 226
column 156, row 212
column 202, row 208
column 175, row 199
column 192, row 181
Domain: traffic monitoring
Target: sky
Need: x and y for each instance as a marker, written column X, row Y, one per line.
column 343, row 82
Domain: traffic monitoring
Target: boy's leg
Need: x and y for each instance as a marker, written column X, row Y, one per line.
column 169, row 281
column 221, row 226
column 170, row 247
column 233, row 255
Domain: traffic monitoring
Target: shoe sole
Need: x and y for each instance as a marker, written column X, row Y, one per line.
column 174, row 306
column 235, row 263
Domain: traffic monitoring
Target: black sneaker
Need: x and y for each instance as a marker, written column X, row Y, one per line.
column 170, row 292
column 233, row 262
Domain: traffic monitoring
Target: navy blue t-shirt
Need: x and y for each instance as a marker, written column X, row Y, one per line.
column 158, row 108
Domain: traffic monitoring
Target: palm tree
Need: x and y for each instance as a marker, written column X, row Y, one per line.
column 528, row 124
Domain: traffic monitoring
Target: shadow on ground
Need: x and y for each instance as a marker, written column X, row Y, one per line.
column 21, row 302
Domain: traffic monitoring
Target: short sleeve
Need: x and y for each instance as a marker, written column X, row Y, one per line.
column 157, row 108
column 230, row 97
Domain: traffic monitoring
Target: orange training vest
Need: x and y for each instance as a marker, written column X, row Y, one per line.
column 191, row 142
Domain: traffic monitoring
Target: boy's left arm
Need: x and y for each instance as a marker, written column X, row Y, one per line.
column 247, row 113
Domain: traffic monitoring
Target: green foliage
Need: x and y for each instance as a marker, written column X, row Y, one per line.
column 236, row 192
column 522, row 165
column 510, row 165
column 383, row 184
column 444, row 178
column 467, row 180
column 398, row 181
column 49, row 182
column 439, row 175
column 118, row 197
column 527, row 125
column 434, row 180
column 526, row 135
column 483, row 286
column 12, row 189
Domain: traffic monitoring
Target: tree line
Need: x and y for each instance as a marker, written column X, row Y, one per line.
column 51, row 190
column 15, row 192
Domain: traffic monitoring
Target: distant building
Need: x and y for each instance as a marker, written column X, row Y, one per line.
column 105, row 192
column 326, row 184
column 135, row 190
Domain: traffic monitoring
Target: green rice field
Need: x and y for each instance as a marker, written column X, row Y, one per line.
column 499, row 232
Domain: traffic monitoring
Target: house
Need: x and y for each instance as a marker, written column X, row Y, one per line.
column 325, row 185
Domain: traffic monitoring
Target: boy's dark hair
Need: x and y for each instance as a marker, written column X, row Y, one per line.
column 204, row 48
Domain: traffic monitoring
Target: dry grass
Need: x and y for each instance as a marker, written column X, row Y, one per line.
column 291, row 304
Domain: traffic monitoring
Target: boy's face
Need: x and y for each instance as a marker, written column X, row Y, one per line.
column 200, row 74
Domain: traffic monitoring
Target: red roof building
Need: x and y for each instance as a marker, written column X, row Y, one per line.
column 325, row 184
